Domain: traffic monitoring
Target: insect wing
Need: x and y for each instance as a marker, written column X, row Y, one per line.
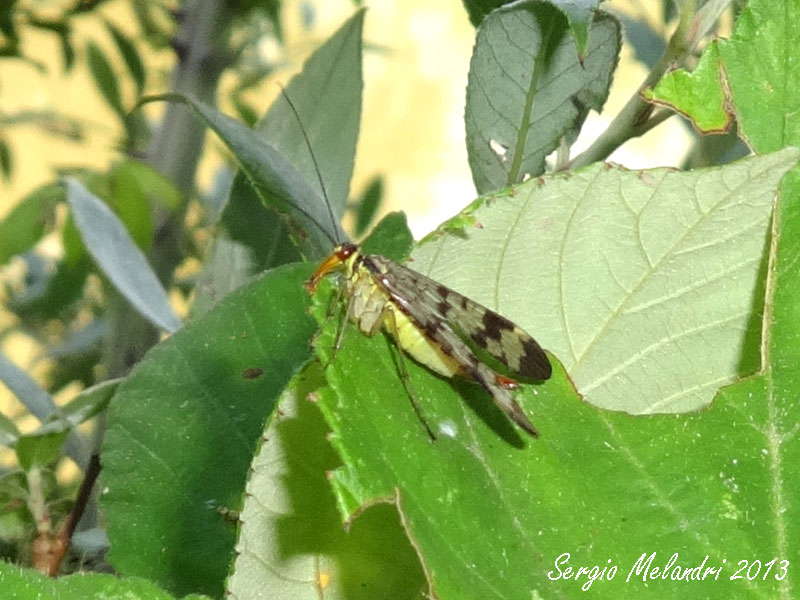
column 427, row 301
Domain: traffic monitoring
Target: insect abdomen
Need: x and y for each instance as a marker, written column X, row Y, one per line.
column 416, row 344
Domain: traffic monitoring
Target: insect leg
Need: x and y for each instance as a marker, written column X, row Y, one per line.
column 401, row 366
column 342, row 323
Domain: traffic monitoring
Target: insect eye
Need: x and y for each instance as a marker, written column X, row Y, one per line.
column 345, row 250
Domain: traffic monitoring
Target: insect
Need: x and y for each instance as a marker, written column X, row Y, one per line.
column 436, row 326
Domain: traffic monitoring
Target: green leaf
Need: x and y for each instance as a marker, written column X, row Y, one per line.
column 698, row 95
column 105, row 78
column 28, row 221
column 130, row 55
column 648, row 44
column 527, row 89
column 24, row 387
column 764, row 91
column 150, row 185
column 291, row 540
column 635, row 276
column 183, row 427
column 56, row 293
column 249, row 222
column 578, row 12
column 37, row 450
column 272, row 176
column 27, row 584
column 761, row 94
column 81, row 408
column 651, row 276
column 327, row 96
column 38, row 402
column 8, row 432
column 115, row 253
column 227, row 267
column 6, row 160
column 67, row 50
column 131, row 204
column 367, row 205
column 7, row 24
column 391, row 237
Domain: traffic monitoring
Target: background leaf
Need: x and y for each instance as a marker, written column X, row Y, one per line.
column 272, row 175
column 105, row 78
column 112, row 248
column 527, row 89
column 329, row 84
column 27, row 222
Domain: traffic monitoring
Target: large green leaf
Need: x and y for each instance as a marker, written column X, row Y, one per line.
column 182, row 430
column 612, row 262
column 628, row 277
column 762, row 93
column 528, row 89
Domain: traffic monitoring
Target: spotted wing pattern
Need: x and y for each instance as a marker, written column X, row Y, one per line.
column 433, row 307
column 498, row 336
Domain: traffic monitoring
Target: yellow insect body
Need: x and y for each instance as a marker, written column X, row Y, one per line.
column 371, row 307
column 423, row 316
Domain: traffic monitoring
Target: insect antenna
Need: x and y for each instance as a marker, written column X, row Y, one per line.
column 314, row 161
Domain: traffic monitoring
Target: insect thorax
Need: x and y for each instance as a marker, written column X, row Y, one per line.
column 371, row 308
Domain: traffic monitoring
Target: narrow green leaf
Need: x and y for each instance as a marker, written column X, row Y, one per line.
column 28, row 392
column 274, row 178
column 38, row 402
column 183, row 427
column 28, row 221
column 527, row 89
column 81, row 408
column 329, row 84
column 115, row 253
column 8, row 432
column 367, row 205
column 105, row 78
column 6, row 159
column 67, row 50
column 130, row 55
column 648, row 44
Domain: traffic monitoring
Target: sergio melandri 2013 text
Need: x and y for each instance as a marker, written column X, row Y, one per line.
column 647, row 568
